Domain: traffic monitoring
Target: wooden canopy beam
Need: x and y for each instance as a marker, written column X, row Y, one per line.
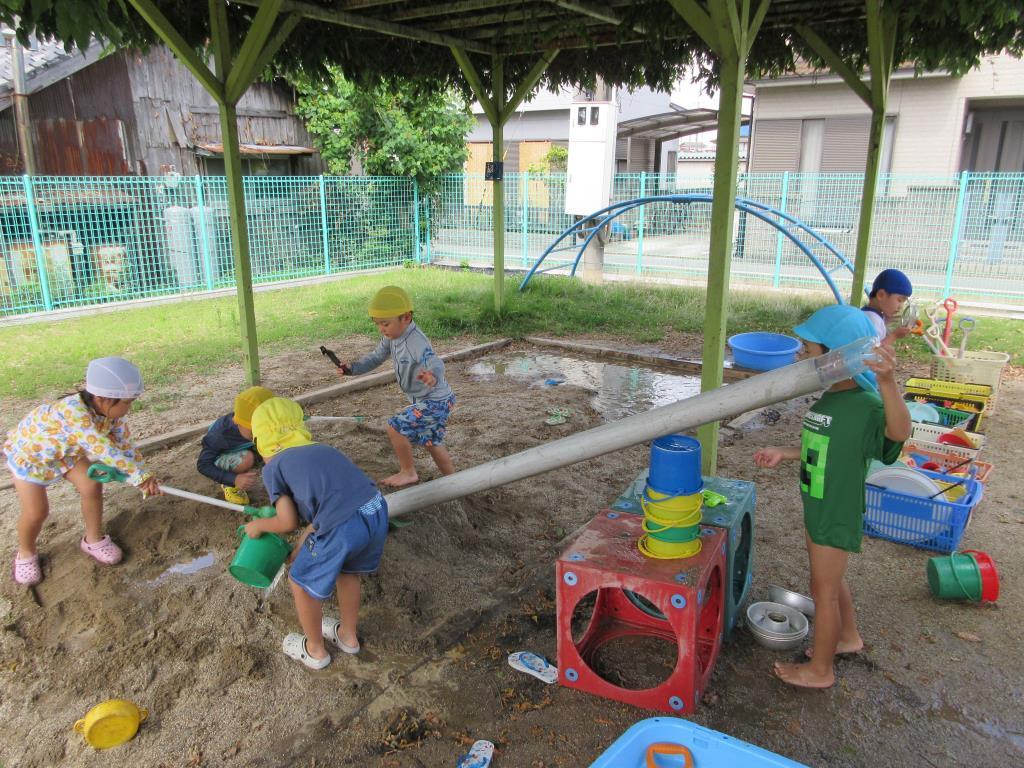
column 728, row 27
column 242, row 68
column 355, row 21
column 173, row 40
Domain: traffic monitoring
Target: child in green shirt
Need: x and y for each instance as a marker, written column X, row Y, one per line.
column 853, row 422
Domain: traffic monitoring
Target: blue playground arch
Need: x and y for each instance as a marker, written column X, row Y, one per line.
column 793, row 228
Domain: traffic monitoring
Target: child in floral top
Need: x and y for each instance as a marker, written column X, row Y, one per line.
column 63, row 440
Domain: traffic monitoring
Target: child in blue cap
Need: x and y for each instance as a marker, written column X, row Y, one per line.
column 853, row 422
column 889, row 295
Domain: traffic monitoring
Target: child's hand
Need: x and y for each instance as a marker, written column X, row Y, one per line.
column 769, row 457
column 246, row 480
column 884, row 363
column 298, row 545
column 427, row 378
column 900, row 332
column 253, row 529
column 150, row 487
column 344, row 370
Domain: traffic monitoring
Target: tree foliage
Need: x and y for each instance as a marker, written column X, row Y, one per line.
column 393, row 128
column 932, row 34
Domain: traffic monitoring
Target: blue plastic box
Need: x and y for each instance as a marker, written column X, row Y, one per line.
column 710, row 749
column 933, row 524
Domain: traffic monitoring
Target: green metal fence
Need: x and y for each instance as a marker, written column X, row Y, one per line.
column 954, row 235
column 80, row 241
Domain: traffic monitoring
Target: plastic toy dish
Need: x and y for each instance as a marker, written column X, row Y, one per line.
column 777, row 626
column 785, row 596
column 957, row 438
column 923, row 412
column 904, row 480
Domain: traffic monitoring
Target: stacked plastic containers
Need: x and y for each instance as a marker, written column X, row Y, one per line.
column 672, row 499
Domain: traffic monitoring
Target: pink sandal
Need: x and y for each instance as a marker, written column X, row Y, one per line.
column 104, row 551
column 27, row 572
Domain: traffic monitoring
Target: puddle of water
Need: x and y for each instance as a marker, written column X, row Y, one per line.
column 193, row 566
column 620, row 390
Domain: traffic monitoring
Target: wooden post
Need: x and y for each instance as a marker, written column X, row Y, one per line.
column 729, row 28
column 882, row 24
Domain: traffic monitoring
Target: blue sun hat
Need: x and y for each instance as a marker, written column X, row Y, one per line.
column 892, row 281
column 836, row 325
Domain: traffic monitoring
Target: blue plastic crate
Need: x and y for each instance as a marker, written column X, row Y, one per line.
column 710, row 749
column 933, row 524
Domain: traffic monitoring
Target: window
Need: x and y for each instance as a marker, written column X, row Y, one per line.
column 581, row 116
column 595, row 115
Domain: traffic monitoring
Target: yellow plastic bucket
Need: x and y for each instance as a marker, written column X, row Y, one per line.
column 110, row 723
column 667, row 550
column 670, row 507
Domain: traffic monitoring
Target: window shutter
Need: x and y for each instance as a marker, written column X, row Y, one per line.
column 846, row 144
column 776, row 146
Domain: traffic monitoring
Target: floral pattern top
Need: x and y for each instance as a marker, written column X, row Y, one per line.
column 52, row 438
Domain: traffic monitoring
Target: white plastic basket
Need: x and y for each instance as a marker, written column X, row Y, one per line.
column 930, row 433
column 972, row 368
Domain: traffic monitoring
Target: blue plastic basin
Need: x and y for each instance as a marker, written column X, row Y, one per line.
column 710, row 749
column 763, row 351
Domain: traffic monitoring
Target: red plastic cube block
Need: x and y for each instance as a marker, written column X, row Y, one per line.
column 679, row 600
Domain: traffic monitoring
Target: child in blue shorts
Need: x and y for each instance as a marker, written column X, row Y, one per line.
column 347, row 522
column 854, row 422
column 420, row 374
column 227, row 455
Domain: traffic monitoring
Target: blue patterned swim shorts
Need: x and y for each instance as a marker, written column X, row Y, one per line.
column 424, row 423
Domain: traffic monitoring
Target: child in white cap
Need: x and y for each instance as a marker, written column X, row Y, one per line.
column 64, row 439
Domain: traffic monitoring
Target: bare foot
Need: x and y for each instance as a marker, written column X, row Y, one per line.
column 842, row 649
column 802, row 676
column 401, row 480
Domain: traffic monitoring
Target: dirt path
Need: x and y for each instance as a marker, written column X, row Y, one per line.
column 464, row 585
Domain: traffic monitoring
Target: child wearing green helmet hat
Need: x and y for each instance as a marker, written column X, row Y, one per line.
column 420, row 374
column 854, row 422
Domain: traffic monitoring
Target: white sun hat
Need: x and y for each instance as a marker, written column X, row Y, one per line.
column 113, row 377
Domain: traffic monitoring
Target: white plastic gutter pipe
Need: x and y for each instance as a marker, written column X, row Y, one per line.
column 800, row 378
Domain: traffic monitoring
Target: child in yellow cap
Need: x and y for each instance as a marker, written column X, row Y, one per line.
column 227, row 455
column 420, row 374
column 347, row 522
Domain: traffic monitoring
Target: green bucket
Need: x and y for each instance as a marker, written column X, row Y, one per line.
column 955, row 577
column 257, row 561
column 674, row 534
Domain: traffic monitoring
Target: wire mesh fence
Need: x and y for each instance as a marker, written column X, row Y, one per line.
column 80, row 241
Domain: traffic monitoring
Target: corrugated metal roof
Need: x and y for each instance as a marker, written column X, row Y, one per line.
column 46, row 62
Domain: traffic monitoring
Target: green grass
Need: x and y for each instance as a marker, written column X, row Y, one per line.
column 197, row 337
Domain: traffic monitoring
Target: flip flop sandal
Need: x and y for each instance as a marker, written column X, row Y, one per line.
column 329, row 628
column 294, row 646
column 479, row 755
column 27, row 572
column 559, row 412
column 104, row 551
column 532, row 664
column 553, row 421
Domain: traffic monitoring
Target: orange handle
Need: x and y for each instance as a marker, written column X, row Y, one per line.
column 667, row 748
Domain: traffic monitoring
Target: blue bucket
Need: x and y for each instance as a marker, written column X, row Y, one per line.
column 675, row 466
column 763, row 351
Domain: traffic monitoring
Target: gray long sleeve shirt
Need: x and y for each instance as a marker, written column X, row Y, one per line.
column 410, row 354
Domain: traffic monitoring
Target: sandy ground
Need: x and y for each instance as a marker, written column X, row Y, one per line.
column 461, row 587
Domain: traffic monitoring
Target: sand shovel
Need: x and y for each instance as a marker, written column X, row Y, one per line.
column 104, row 474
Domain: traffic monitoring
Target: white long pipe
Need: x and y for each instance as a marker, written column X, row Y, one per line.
column 201, row 499
column 800, row 378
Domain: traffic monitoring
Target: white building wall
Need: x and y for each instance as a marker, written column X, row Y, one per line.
column 930, row 110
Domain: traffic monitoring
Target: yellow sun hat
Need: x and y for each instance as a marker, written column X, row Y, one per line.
column 278, row 425
column 389, row 301
column 247, row 402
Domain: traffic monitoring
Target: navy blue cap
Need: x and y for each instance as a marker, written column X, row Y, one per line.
column 892, row 281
